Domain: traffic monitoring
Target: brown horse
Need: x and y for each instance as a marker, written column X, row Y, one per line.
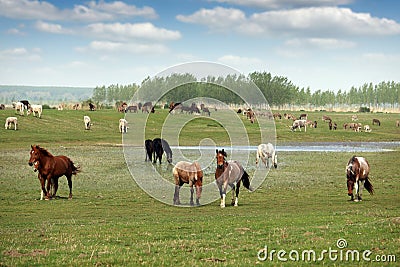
column 357, row 171
column 230, row 173
column 188, row 173
column 51, row 168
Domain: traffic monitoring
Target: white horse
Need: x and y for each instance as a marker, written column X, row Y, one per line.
column 86, row 120
column 35, row 109
column 266, row 152
column 123, row 126
column 19, row 108
column 11, row 120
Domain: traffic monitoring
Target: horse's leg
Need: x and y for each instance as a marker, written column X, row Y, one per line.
column 360, row 188
column 356, row 188
column 70, row 186
column 223, row 188
column 48, row 195
column 191, row 195
column 235, row 194
column 42, row 183
column 55, row 186
column 176, row 195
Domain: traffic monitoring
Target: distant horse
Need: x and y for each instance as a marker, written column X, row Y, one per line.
column 123, row 126
column 266, row 152
column 230, row 173
column 11, row 120
column 159, row 147
column 376, row 121
column 92, row 107
column 51, row 168
column 19, row 108
column 148, row 144
column 35, row 109
column 188, row 173
column 357, row 171
column 86, row 120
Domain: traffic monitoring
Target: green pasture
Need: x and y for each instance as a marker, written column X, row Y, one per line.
column 301, row 206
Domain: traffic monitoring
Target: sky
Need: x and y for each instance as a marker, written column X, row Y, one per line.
column 316, row 44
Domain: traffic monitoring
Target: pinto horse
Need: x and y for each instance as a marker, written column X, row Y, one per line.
column 357, row 171
column 188, row 173
column 51, row 168
column 266, row 152
column 230, row 173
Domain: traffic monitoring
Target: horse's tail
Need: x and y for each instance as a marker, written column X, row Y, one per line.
column 368, row 186
column 246, row 181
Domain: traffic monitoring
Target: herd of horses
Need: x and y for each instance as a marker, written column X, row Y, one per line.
column 229, row 174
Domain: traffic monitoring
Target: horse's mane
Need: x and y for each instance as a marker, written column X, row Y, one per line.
column 44, row 151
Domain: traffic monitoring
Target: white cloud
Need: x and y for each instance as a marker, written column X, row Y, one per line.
column 120, row 47
column 51, row 28
column 238, row 60
column 125, row 31
column 324, row 21
column 309, row 22
column 323, row 43
column 216, row 19
column 274, row 4
column 20, row 53
column 42, row 10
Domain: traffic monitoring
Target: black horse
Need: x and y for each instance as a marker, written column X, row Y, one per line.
column 159, row 147
column 148, row 144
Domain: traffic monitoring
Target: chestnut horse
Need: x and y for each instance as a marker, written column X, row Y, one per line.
column 51, row 168
column 230, row 173
column 188, row 173
column 357, row 171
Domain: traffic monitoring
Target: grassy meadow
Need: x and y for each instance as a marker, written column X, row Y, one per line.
column 301, row 206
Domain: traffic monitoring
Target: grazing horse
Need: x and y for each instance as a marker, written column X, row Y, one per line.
column 86, row 120
column 148, row 144
column 266, row 152
column 188, row 173
column 51, row 168
column 19, row 108
column 230, row 173
column 123, row 126
column 357, row 171
column 35, row 109
column 11, row 120
column 159, row 147
column 376, row 121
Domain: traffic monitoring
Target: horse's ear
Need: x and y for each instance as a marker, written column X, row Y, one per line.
column 216, row 151
column 31, row 146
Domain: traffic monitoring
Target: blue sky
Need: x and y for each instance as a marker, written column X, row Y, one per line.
column 321, row 44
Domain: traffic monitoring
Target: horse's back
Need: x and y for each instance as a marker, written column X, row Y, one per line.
column 64, row 166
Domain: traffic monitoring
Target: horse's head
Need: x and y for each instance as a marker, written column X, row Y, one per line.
column 221, row 154
column 35, row 155
column 351, row 174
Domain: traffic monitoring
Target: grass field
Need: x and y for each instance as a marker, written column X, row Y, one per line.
column 301, row 206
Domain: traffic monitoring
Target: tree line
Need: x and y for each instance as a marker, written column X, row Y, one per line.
column 278, row 91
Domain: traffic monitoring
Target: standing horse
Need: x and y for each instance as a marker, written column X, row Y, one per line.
column 188, row 173
column 51, row 168
column 159, row 146
column 230, row 173
column 266, row 152
column 357, row 171
column 148, row 144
